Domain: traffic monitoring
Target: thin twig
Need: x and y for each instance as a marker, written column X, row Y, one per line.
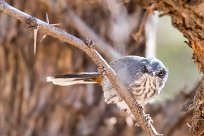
column 92, row 53
column 138, row 35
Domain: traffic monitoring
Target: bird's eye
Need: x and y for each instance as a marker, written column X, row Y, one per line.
column 161, row 73
column 144, row 69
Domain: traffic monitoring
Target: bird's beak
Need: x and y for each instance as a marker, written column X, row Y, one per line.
column 152, row 73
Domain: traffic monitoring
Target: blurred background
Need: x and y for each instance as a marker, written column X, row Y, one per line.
column 175, row 53
column 29, row 106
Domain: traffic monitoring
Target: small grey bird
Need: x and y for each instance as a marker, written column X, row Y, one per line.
column 143, row 77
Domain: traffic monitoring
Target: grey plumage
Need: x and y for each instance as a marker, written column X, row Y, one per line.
column 143, row 77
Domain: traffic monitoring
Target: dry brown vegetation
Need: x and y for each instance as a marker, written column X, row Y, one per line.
column 31, row 106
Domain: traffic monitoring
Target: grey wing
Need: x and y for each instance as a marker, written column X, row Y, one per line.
column 127, row 68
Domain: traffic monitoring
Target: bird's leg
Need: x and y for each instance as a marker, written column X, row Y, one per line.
column 148, row 118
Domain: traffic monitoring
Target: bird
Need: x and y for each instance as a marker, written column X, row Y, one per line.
column 143, row 77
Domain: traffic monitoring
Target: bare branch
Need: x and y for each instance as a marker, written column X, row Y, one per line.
column 138, row 35
column 48, row 29
column 47, row 20
column 85, row 30
column 77, row 23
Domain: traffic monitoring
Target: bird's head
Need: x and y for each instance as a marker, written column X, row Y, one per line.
column 154, row 69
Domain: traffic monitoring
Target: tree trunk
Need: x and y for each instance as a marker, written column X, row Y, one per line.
column 31, row 106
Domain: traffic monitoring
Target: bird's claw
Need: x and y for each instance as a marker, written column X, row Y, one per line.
column 101, row 70
column 149, row 119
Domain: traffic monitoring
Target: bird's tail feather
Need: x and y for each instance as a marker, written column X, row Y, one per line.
column 71, row 79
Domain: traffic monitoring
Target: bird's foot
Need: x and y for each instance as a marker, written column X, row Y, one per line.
column 149, row 119
column 101, row 70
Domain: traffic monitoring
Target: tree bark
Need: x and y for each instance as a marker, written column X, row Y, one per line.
column 187, row 17
column 31, row 106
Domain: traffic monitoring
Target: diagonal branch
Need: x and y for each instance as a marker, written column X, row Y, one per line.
column 85, row 30
column 92, row 53
column 76, row 22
